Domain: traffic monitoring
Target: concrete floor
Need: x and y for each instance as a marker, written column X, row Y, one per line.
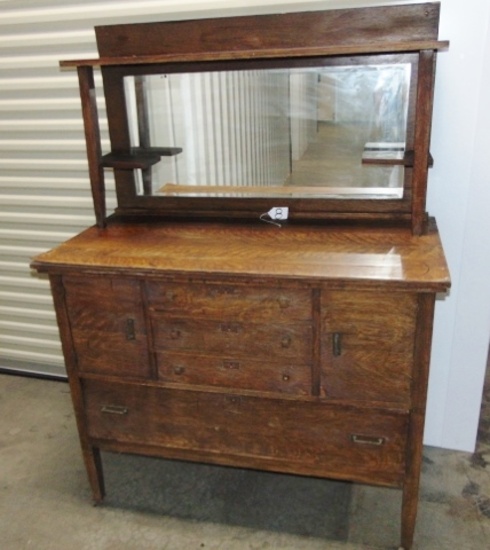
column 156, row 504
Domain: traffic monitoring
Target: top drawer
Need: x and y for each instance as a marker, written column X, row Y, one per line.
column 221, row 301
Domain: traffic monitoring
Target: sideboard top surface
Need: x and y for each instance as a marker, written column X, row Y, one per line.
column 365, row 255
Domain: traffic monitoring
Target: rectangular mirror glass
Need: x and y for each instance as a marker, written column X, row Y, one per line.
column 314, row 132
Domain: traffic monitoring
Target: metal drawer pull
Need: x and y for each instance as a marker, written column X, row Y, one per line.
column 286, row 341
column 114, row 409
column 231, row 365
column 233, row 400
column 368, row 440
column 179, row 370
column 174, row 334
column 233, row 328
column 130, row 330
column 283, row 302
column 337, row 344
column 222, row 291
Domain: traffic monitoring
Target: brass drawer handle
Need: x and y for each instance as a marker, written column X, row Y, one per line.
column 175, row 334
column 286, row 342
column 114, row 409
column 233, row 328
column 130, row 330
column 368, row 440
column 286, row 377
column 231, row 365
column 222, row 291
column 283, row 302
column 337, row 344
column 233, row 400
column 179, row 370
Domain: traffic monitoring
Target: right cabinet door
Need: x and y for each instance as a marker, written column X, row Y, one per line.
column 368, row 346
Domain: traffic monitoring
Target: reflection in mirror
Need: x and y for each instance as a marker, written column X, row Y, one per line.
column 322, row 132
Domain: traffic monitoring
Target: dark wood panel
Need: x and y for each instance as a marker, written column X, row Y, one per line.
column 365, row 26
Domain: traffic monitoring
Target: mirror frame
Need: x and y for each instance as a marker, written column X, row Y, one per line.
column 303, row 39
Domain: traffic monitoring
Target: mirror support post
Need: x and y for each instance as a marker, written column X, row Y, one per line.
column 425, row 85
column 92, row 139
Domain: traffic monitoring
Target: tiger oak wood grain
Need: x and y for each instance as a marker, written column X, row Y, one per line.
column 368, row 256
column 229, row 370
column 99, row 310
column 376, row 332
column 252, row 427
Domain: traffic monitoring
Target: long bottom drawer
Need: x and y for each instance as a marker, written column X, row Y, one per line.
column 310, row 437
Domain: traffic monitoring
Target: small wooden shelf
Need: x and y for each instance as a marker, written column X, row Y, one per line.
column 138, row 157
column 389, row 156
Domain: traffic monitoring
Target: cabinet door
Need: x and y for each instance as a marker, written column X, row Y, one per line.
column 367, row 346
column 107, row 325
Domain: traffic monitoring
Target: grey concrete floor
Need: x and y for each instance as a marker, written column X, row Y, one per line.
column 167, row 505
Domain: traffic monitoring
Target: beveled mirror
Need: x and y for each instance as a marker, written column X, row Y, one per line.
column 333, row 131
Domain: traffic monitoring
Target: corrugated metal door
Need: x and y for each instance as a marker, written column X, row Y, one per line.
column 44, row 186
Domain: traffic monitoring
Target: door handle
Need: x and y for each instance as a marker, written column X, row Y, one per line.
column 114, row 409
column 337, row 344
column 130, row 330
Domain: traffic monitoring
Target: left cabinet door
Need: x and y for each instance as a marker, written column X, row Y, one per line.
column 108, row 325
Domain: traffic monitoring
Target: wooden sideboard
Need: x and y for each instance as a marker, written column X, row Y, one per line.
column 194, row 330
column 295, row 349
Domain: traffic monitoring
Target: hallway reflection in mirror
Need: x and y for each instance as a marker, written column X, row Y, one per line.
column 313, row 132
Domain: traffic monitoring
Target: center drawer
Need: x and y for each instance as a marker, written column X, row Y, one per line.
column 265, row 342
column 274, row 358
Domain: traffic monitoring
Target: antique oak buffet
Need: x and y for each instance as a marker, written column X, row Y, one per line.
column 194, row 330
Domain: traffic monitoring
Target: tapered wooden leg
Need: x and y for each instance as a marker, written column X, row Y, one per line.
column 93, row 465
column 409, row 515
column 411, row 486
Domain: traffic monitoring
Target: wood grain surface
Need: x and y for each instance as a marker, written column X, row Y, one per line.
column 368, row 256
